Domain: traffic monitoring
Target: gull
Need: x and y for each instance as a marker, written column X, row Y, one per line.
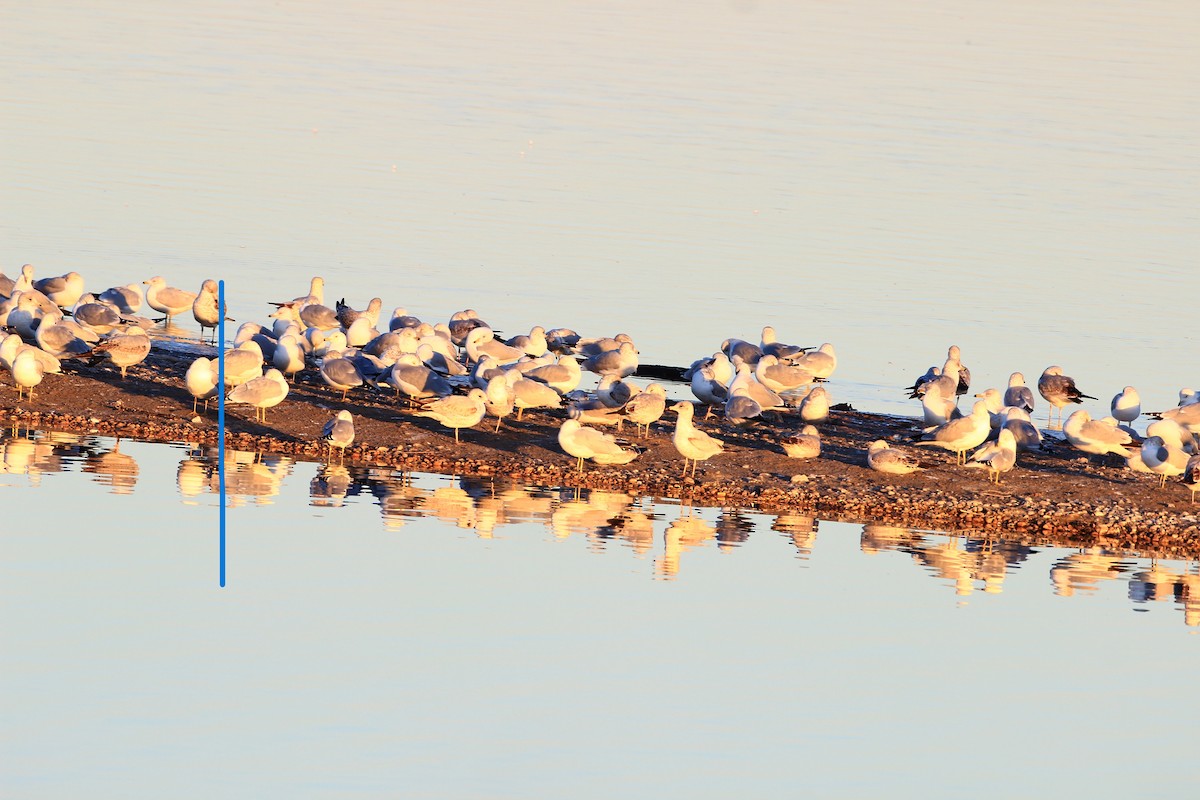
column 534, row 344
column 1173, row 434
column 998, row 457
column 360, row 332
column 63, row 340
column 457, row 411
column 741, row 408
column 263, row 392
column 770, row 346
column 167, row 299
column 340, row 373
column 1127, row 406
column 1187, row 416
column 937, row 408
column 1163, row 459
column 204, row 307
column 26, row 315
column 780, row 377
column 417, row 381
column 708, row 388
column 401, row 319
column 100, row 317
column 499, row 399
column 917, row 390
column 805, row 444
column 960, row 435
column 243, row 363
column 1018, row 394
column 313, row 315
column 614, row 392
column 582, row 442
column 954, row 356
column 563, row 376
column 64, row 290
column 347, row 315
column 1026, row 434
column 462, row 323
column 1095, row 437
column 815, row 405
column 339, row 433
column 482, row 341
column 11, row 345
column 746, row 351
column 594, row 347
column 316, row 294
column 595, row 412
column 288, row 357
column 531, row 394
column 995, row 406
column 821, row 362
column 1059, row 390
column 23, row 282
column 201, row 381
column 1191, row 475
column 439, row 362
column 27, row 372
column 882, row 457
column 620, row 362
column 744, row 377
column 692, row 443
column 646, row 407
column 126, row 299
column 1188, row 395
column 125, row 349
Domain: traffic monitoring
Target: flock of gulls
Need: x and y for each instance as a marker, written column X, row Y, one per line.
column 459, row 372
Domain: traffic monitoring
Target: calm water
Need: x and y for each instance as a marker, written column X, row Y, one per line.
column 425, row 636
column 1015, row 178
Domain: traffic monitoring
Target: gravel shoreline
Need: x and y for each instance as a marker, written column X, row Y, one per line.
column 1057, row 497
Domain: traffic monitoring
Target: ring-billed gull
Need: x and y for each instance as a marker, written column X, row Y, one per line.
column 620, row 362
column 692, row 443
column 1127, row 405
column 960, row 435
column 1018, row 395
column 882, row 457
column 1059, row 390
column 288, row 357
column 347, row 315
column 1191, row 475
column 954, row 356
column 340, row 373
column 339, row 432
column 416, row 381
column 1173, row 433
column 205, row 310
column 739, row 348
column 815, row 405
column 1026, row 434
column 744, row 377
column 583, row 442
column 1164, row 460
column 1094, row 436
column 100, row 317
column 264, row 392
column 780, row 377
column 11, row 345
column 821, row 362
column 462, row 323
column 998, row 457
column 125, row 349
column 167, row 299
column 23, row 281
column 708, row 388
column 201, row 381
column 126, row 299
column 595, row 346
column 805, row 444
column 243, row 363
column 771, row 346
column 646, row 407
column 614, row 392
column 563, row 376
column 483, row 341
column 995, row 406
column 917, row 390
column 741, row 408
column 62, row 339
column 499, row 399
column 1186, row 415
column 27, row 372
column 595, row 412
column 531, row 394
column 457, row 411
column 63, row 290
column 534, row 343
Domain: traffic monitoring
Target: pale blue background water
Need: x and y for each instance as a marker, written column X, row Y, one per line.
column 350, row 656
column 1016, row 178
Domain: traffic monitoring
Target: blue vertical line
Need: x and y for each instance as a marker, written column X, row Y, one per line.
column 221, row 413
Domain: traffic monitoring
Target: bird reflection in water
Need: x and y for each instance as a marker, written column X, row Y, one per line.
column 800, row 530
column 733, row 528
column 1083, row 571
column 114, row 469
column 330, row 486
column 688, row 531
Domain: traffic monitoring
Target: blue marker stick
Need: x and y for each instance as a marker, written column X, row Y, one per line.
column 221, row 414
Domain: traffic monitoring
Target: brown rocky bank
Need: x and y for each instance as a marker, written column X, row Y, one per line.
column 1057, row 497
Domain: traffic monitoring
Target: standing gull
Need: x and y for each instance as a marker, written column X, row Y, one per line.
column 646, row 407
column 457, row 411
column 1127, row 405
column 167, row 299
column 1018, row 395
column 583, row 442
column 1095, row 437
column 264, row 392
column 1059, row 390
column 201, row 381
column 998, row 457
column 204, row 308
column 339, row 433
column 692, row 443
column 960, row 435
column 125, row 349
column 27, row 372
column 1163, row 459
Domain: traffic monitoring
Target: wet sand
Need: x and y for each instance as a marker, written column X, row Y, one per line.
column 1057, row 497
